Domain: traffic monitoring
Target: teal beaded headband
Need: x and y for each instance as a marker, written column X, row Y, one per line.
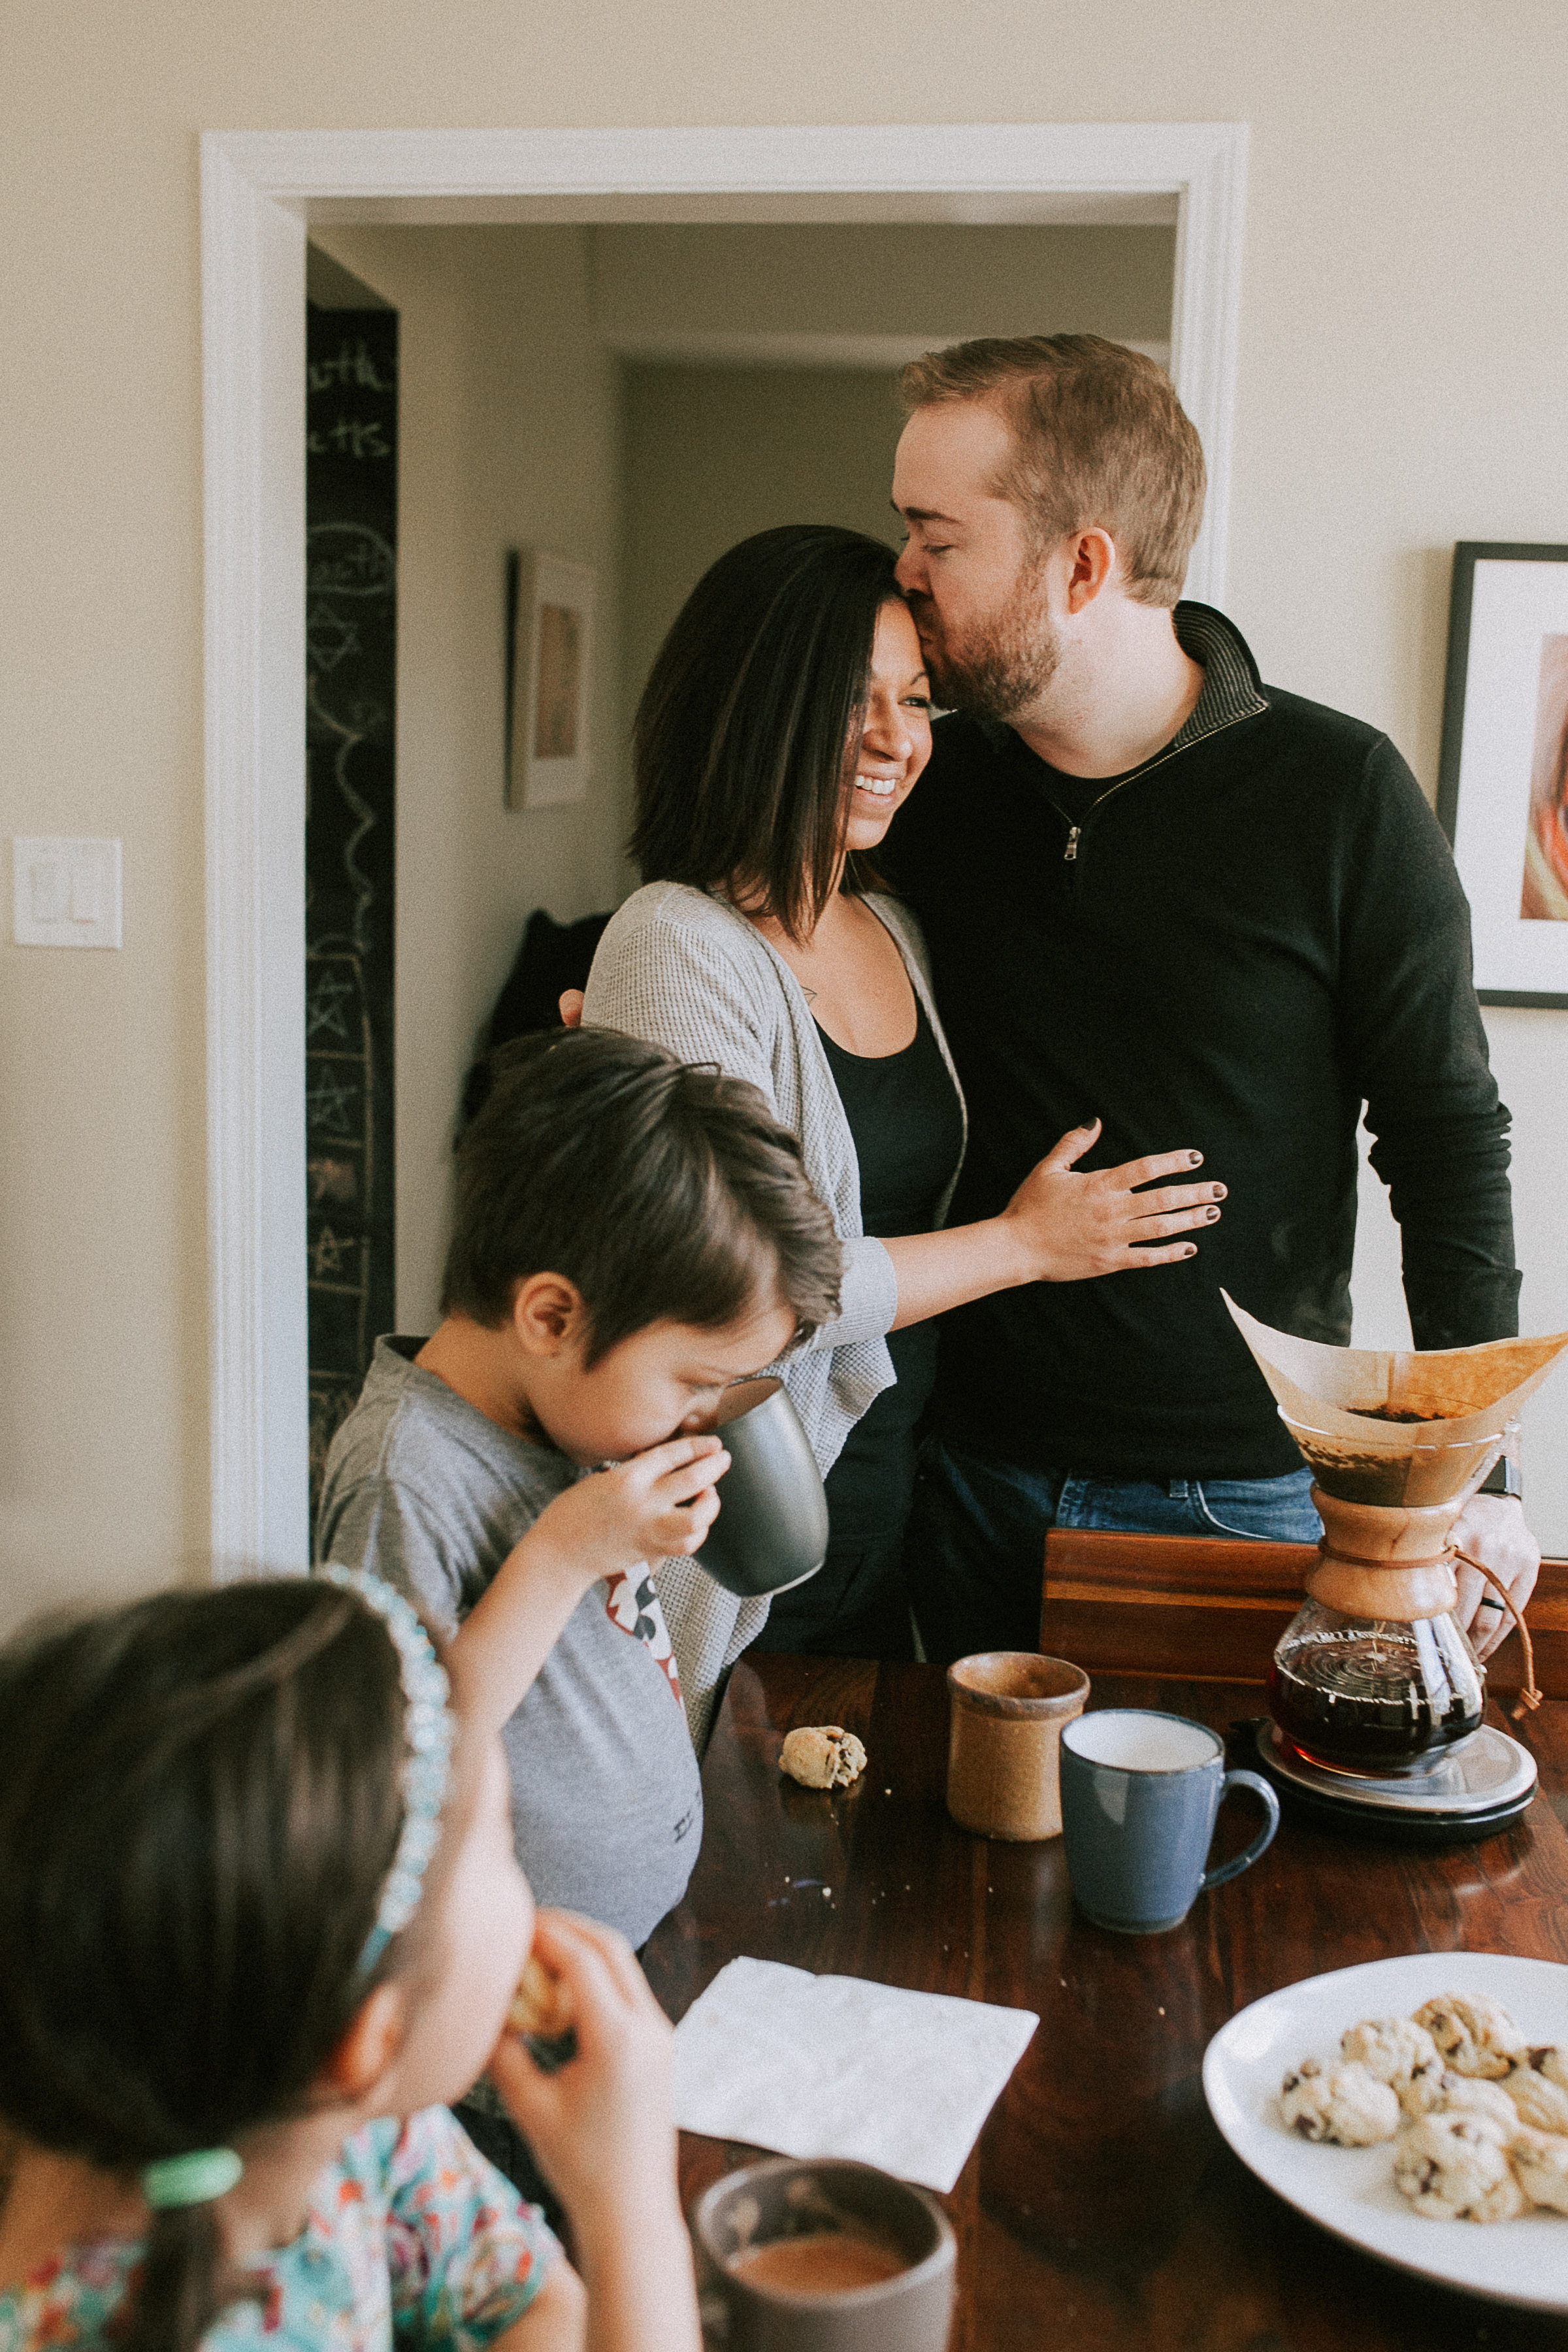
column 430, row 1731
column 207, row 2173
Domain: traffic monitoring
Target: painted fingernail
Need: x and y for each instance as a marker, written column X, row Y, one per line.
column 1191, row 1250
column 1211, row 1215
column 1219, row 1191
column 1194, row 1159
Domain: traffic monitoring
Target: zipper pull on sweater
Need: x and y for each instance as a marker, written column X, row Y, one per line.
column 1069, row 854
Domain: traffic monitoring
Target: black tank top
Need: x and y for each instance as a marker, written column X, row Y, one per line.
column 908, row 1129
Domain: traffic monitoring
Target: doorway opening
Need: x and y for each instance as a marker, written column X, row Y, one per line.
column 665, row 340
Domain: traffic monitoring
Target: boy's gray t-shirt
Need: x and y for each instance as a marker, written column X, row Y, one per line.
column 606, row 1798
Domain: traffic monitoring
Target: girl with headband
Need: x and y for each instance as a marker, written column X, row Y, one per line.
column 260, row 1920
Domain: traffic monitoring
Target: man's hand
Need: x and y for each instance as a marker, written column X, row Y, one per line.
column 1491, row 1528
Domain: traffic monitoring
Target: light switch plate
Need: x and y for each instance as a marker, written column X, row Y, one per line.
column 66, row 893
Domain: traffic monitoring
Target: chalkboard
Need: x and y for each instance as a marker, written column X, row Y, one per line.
column 351, row 630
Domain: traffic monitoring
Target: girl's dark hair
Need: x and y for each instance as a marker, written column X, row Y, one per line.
column 740, row 740
column 199, row 1805
column 662, row 1190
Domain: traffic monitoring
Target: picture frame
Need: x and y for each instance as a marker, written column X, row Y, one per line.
column 1502, row 784
column 550, row 645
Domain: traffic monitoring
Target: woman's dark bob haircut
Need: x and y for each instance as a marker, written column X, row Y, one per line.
column 741, row 739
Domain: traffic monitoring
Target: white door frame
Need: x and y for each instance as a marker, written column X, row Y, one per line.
column 261, row 190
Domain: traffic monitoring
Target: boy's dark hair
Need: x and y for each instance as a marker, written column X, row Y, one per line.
column 662, row 1190
column 739, row 742
column 199, row 1806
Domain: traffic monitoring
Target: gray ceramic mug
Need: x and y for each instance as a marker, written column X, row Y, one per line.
column 771, row 1528
column 814, row 2209
column 1140, row 1793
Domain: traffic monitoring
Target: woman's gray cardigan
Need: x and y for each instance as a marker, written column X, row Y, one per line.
column 685, row 970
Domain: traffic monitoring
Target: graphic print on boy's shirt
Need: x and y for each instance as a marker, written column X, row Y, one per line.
column 632, row 1602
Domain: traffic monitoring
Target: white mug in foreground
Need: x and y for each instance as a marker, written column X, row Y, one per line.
column 1140, row 1793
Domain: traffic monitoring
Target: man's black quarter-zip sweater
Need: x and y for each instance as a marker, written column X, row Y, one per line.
column 1230, row 949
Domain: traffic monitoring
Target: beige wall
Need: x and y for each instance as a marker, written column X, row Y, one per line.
column 714, row 453
column 935, row 281
column 1400, row 387
column 509, row 434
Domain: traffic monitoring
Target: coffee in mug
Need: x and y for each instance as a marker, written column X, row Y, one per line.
column 1140, row 1792
column 823, row 2255
column 829, row 2261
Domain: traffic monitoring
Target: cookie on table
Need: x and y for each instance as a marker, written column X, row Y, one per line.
column 1454, row 2166
column 1473, row 2095
column 823, row 1756
column 1475, row 2034
column 1400, row 2054
column 1343, row 2103
column 1540, row 2161
column 1537, row 2093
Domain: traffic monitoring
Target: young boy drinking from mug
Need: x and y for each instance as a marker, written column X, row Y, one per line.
column 630, row 1235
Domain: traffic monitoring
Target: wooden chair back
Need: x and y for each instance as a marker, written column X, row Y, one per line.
column 1187, row 1608
column 1169, row 1606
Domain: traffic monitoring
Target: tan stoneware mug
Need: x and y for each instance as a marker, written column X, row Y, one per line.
column 1003, row 1757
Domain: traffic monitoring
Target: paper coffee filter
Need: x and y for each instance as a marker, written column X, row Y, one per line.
column 1460, row 1394
column 1465, row 1397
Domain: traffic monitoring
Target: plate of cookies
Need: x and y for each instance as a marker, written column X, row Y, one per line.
column 1418, row 2107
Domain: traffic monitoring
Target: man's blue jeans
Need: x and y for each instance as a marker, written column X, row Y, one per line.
column 974, row 1557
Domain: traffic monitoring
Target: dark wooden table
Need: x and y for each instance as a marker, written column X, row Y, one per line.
column 1099, row 2207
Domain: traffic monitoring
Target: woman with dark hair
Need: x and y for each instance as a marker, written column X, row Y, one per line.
column 785, row 719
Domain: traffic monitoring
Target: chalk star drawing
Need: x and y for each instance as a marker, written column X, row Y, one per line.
column 330, row 1104
column 325, row 1010
column 328, row 638
column 331, row 1180
column 329, row 1251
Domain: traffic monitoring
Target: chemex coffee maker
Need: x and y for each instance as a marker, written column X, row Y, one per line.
column 1376, row 1693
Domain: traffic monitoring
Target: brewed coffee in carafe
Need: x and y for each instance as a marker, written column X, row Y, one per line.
column 1374, row 1674
column 1371, row 1694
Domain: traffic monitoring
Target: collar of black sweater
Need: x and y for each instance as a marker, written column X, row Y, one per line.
column 1231, row 688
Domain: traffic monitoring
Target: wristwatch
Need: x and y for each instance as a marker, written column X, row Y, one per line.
column 1503, row 1478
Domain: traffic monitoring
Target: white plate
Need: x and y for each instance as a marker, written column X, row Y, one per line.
column 1350, row 2190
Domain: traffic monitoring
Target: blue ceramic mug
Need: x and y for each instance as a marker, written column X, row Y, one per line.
column 1139, row 1794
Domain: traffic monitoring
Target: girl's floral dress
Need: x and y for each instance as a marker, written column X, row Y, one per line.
column 411, row 2238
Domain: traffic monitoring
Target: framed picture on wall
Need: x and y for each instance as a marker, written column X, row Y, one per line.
column 549, row 638
column 1502, row 787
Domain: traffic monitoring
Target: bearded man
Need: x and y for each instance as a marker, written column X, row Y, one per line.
column 1160, row 893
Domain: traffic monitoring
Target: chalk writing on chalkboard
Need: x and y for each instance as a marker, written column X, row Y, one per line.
column 351, row 635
